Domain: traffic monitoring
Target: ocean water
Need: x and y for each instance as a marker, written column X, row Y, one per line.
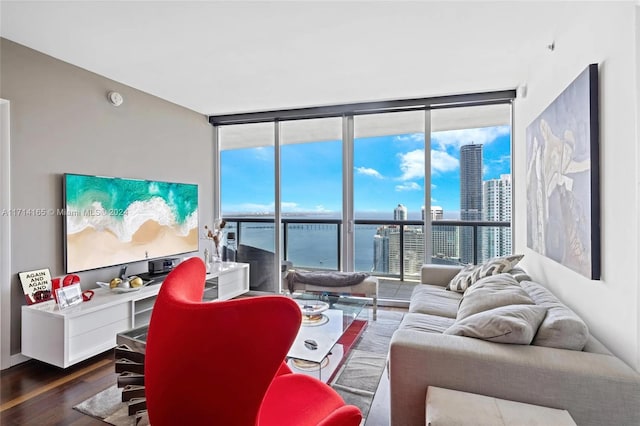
column 311, row 245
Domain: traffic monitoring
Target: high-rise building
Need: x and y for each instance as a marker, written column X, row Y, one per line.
column 437, row 213
column 400, row 213
column 496, row 194
column 413, row 249
column 387, row 250
column 381, row 251
column 444, row 237
column 470, row 196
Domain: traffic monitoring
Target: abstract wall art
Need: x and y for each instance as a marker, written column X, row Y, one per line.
column 563, row 198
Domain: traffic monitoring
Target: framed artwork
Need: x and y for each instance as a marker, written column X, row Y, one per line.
column 69, row 295
column 36, row 285
column 563, row 186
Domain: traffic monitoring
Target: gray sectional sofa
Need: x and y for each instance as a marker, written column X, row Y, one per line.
column 431, row 348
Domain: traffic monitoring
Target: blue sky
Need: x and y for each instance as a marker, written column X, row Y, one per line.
column 388, row 170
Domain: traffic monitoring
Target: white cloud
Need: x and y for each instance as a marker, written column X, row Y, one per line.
column 412, row 164
column 368, row 172
column 457, row 138
column 287, row 205
column 442, row 162
column 254, row 207
column 413, row 137
column 263, row 153
column 408, row 186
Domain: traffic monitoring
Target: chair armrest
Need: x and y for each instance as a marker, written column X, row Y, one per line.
column 438, row 274
column 596, row 389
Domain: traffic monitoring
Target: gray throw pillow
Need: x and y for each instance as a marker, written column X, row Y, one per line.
column 462, row 280
column 561, row 328
column 498, row 265
column 472, row 273
column 515, row 324
column 492, row 292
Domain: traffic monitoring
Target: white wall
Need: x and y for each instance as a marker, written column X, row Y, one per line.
column 608, row 36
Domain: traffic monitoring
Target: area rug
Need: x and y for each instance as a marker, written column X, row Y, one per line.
column 356, row 381
column 359, row 377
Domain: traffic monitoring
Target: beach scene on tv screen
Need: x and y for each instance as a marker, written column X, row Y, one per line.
column 113, row 221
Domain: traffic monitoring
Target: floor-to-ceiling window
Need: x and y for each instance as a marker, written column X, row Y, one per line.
column 388, row 189
column 471, row 182
column 247, row 197
column 379, row 187
column 311, row 192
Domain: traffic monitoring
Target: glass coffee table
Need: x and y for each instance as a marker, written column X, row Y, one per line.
column 315, row 350
column 325, row 319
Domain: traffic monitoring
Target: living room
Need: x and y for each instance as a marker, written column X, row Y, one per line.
column 176, row 64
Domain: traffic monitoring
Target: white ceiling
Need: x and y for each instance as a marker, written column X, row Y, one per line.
column 218, row 57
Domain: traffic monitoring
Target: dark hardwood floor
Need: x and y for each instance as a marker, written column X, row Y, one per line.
column 35, row 393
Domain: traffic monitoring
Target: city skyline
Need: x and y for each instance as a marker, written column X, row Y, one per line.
column 388, row 170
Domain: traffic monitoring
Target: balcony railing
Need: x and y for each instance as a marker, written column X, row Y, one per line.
column 386, row 248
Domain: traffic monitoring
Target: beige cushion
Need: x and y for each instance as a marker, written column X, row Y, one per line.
column 492, row 292
column 472, row 273
column 446, row 407
column 425, row 322
column 561, row 328
column 515, row 324
column 433, row 300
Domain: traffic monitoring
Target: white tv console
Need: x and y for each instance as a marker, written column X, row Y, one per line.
column 66, row 337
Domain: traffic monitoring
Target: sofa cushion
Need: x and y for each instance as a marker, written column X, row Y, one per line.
column 472, row 273
column 492, row 292
column 433, row 300
column 425, row 322
column 516, row 324
column 463, row 279
column 561, row 328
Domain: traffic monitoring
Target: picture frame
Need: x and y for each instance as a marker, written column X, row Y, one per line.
column 36, row 285
column 563, row 182
column 69, row 296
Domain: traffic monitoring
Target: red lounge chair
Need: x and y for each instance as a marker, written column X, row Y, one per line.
column 222, row 363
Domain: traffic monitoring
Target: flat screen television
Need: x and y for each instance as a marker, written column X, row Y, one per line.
column 113, row 221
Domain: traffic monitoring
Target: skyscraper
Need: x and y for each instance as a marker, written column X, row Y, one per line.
column 496, row 194
column 400, row 213
column 470, row 196
column 413, row 249
column 381, row 251
column 444, row 237
column 437, row 213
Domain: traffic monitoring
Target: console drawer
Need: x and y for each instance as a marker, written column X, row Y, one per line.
column 95, row 320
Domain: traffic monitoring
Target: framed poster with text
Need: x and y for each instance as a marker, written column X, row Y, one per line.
column 36, row 285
